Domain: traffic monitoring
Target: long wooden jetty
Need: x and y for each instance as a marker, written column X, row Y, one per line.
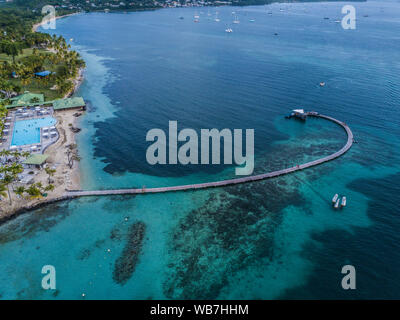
column 223, row 183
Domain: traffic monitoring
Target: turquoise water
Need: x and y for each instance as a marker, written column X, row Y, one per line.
column 273, row 239
column 28, row 131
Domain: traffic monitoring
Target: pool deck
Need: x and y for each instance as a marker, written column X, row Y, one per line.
column 29, row 114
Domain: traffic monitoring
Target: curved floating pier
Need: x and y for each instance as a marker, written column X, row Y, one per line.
column 223, row 183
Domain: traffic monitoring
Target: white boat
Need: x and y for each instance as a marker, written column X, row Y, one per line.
column 216, row 17
column 229, row 30
column 336, row 206
column 196, row 16
column 236, row 21
column 335, row 197
column 344, row 201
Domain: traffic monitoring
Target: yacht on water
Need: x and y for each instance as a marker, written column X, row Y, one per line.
column 228, row 30
column 236, row 20
column 336, row 206
column 344, row 201
column 335, row 198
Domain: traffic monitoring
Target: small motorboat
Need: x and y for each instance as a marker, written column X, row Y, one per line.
column 322, row 84
column 344, row 201
column 335, row 198
column 336, row 206
column 228, row 30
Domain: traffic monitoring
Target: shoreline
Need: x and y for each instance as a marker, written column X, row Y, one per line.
column 72, row 194
column 37, row 25
column 65, row 177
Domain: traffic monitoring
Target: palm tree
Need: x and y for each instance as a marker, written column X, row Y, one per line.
column 50, row 173
column 3, row 191
column 19, row 191
column 4, row 153
column 34, row 190
column 7, row 179
column 50, row 187
column 10, row 175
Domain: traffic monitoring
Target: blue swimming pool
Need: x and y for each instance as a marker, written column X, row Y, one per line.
column 28, row 131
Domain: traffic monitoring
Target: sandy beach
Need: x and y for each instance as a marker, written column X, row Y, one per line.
column 64, row 177
column 77, row 83
column 37, row 25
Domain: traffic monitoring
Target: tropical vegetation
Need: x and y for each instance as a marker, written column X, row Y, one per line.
column 24, row 53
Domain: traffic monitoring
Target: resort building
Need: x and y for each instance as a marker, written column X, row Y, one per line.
column 30, row 125
column 26, row 98
column 69, row 103
column 35, row 160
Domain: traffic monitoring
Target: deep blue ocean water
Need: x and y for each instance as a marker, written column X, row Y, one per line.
column 272, row 239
